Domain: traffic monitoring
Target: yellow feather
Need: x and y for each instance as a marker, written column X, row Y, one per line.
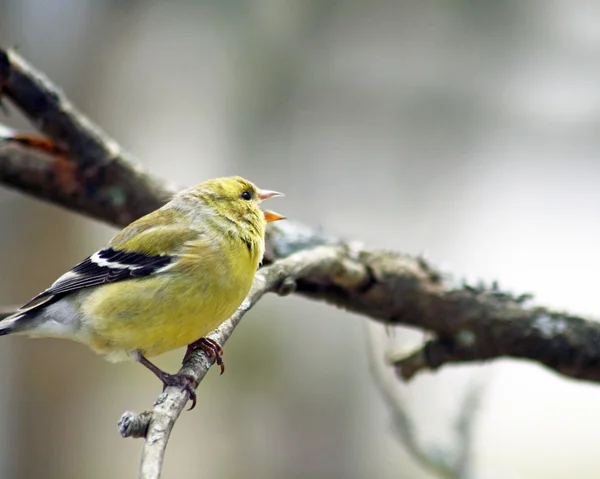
column 215, row 233
column 165, row 312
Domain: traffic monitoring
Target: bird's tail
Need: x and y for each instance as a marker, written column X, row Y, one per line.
column 8, row 320
column 4, row 330
column 51, row 318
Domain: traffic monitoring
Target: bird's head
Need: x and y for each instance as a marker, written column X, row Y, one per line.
column 238, row 200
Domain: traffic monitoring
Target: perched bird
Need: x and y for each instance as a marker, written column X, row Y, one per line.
column 163, row 282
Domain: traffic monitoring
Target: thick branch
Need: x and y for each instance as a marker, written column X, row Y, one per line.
column 99, row 179
column 565, row 343
column 470, row 324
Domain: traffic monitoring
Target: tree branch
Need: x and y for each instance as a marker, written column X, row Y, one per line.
column 98, row 179
column 446, row 461
column 565, row 343
column 438, row 460
column 156, row 426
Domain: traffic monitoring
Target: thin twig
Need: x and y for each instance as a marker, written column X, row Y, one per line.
column 403, row 426
column 448, row 462
column 464, row 427
column 157, row 424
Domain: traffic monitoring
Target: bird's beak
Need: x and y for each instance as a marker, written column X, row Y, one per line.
column 266, row 194
column 270, row 215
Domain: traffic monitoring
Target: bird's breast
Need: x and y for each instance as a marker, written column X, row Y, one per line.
column 173, row 309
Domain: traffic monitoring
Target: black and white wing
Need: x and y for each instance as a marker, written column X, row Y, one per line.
column 103, row 267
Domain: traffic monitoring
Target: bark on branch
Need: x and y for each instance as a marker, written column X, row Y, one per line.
column 96, row 178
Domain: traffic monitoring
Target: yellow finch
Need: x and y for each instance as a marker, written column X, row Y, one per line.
column 164, row 282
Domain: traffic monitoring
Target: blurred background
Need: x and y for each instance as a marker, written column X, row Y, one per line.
column 465, row 130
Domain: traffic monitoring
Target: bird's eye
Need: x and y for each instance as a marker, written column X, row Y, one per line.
column 246, row 195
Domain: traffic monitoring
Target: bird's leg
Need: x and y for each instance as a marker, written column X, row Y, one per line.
column 210, row 347
column 182, row 381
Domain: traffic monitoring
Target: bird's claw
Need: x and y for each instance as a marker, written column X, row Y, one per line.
column 184, row 382
column 210, row 347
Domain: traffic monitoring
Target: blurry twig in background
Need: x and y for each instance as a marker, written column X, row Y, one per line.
column 468, row 323
column 465, row 424
column 446, row 463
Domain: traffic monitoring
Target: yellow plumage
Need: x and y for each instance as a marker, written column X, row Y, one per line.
column 156, row 314
column 163, row 282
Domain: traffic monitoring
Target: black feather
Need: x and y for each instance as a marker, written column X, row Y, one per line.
column 5, row 331
column 106, row 266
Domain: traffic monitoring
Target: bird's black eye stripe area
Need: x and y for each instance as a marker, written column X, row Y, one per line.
column 246, row 195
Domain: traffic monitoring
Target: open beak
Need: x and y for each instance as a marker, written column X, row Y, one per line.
column 270, row 216
column 266, row 194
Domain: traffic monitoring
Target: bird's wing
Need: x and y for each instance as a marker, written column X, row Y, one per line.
column 117, row 262
column 103, row 267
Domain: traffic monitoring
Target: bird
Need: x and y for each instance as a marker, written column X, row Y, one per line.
column 163, row 282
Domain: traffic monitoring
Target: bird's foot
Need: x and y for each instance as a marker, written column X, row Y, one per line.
column 182, row 381
column 210, row 347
